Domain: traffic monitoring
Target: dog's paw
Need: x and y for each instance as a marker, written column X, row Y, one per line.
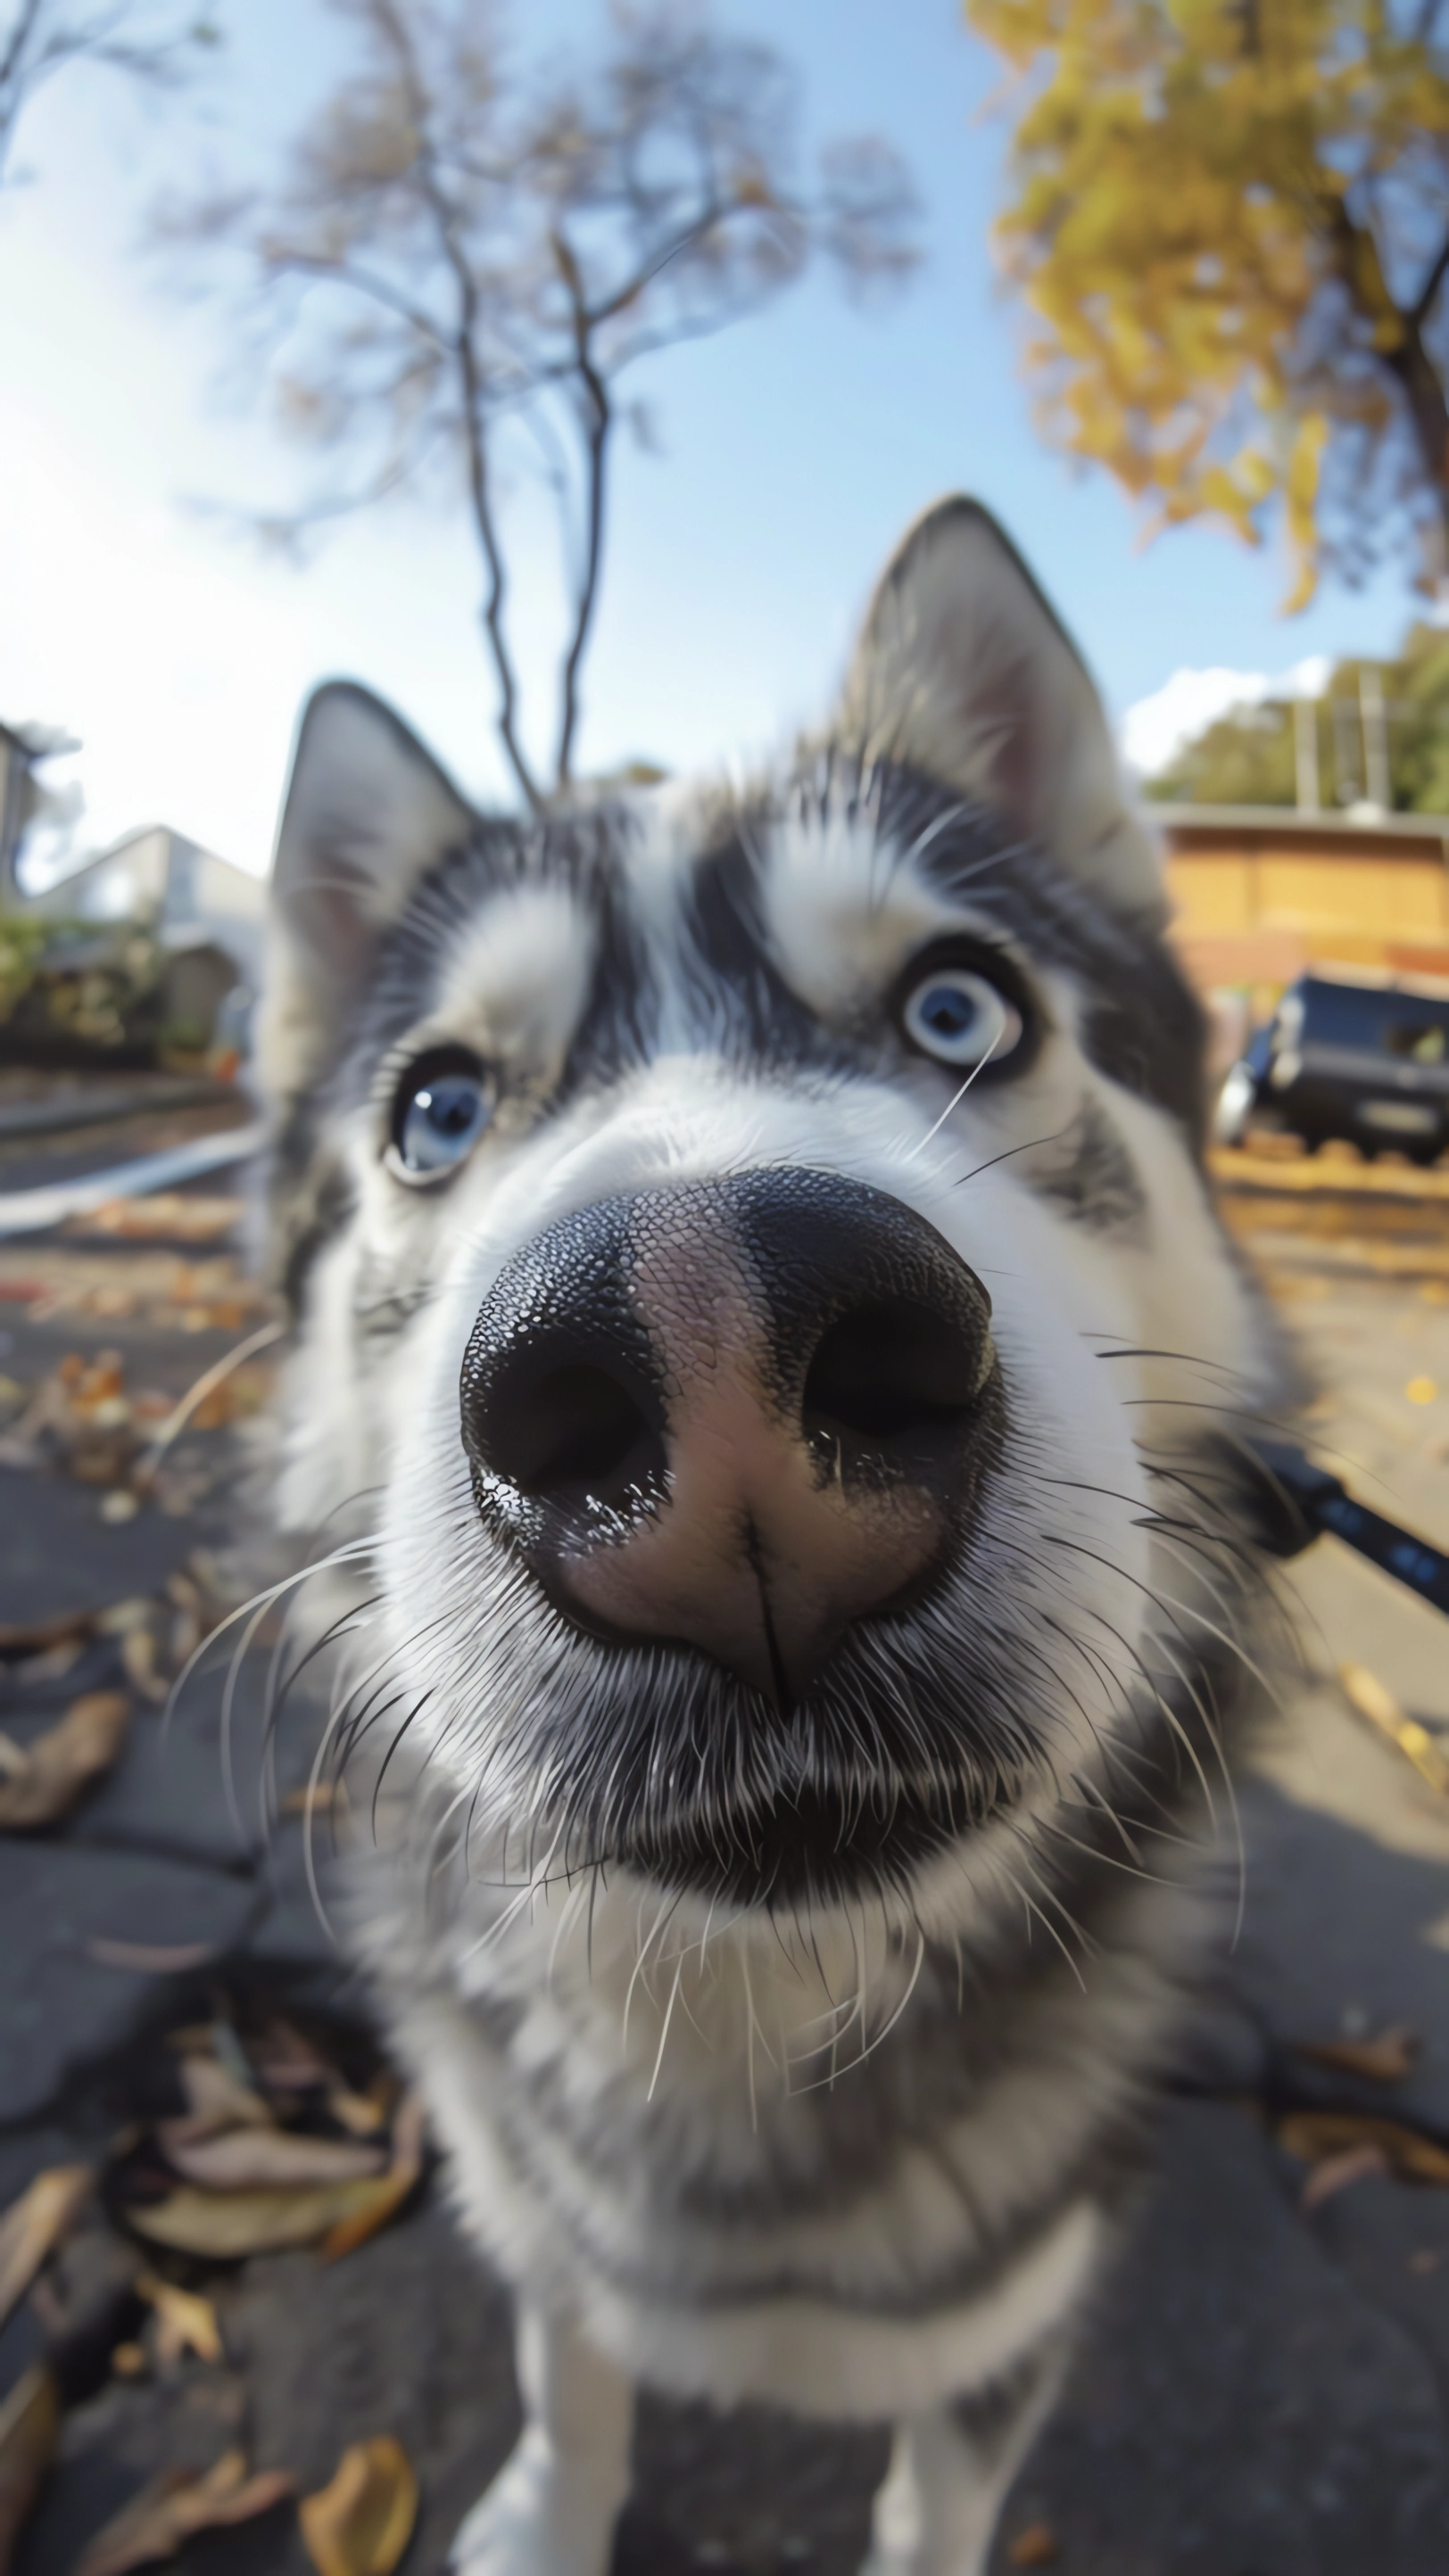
column 542, row 2516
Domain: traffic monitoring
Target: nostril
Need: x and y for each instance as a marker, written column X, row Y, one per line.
column 572, row 1431
column 894, row 1377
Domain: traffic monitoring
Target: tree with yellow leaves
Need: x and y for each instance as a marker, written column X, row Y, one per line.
column 1232, row 220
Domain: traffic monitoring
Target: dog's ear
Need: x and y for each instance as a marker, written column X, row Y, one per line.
column 963, row 670
column 366, row 814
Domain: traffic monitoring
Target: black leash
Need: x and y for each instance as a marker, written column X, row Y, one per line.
column 1300, row 1501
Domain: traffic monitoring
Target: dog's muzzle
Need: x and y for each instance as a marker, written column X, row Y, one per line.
column 734, row 1416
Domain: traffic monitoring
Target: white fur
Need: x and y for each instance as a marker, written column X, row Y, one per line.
column 686, row 2041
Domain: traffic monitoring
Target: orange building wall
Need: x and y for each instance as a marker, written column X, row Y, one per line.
column 1253, row 909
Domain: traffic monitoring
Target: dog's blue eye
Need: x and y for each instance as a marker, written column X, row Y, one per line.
column 440, row 1114
column 961, row 1018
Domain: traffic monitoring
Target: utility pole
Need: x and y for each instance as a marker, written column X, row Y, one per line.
column 1373, row 718
column 1305, row 754
column 1347, row 790
column 17, row 799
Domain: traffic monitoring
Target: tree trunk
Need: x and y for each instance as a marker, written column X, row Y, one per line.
column 1424, row 395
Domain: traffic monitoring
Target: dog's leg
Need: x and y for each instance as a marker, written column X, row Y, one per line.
column 949, row 2474
column 552, row 2507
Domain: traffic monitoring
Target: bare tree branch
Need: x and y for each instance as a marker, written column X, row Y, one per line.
column 459, row 259
column 128, row 36
column 599, row 423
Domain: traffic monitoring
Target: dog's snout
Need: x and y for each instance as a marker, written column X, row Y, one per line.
column 735, row 1415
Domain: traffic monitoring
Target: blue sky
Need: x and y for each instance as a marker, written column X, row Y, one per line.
column 796, row 447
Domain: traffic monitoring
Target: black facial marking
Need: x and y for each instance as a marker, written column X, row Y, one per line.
column 1088, row 1173
column 742, row 1000
column 1143, row 1025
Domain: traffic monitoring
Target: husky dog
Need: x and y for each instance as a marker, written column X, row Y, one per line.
column 757, row 1298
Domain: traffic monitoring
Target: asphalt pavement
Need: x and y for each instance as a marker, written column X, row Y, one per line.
column 1265, row 2387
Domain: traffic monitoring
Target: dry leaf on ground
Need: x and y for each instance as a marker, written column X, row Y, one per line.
column 1386, row 2058
column 1034, row 2547
column 378, row 2200
column 227, row 2225
column 217, row 2100
column 1317, row 2135
column 149, row 1958
column 361, row 2523
column 1333, row 2174
column 59, row 1766
column 363, row 2114
column 167, row 2511
column 285, row 2062
column 138, row 1655
column 29, row 2423
column 1366, row 1693
column 165, row 1217
column 254, row 2158
column 185, row 2322
column 35, row 2223
column 37, row 1637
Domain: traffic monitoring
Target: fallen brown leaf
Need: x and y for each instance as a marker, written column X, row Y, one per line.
column 1385, row 2059
column 363, row 2114
column 360, row 2524
column 1333, row 2174
column 185, row 2322
column 286, row 2062
column 61, row 1764
column 29, row 2423
column 167, row 2511
column 263, row 2159
column 1317, row 2135
column 317, row 1798
column 226, row 2225
column 1034, row 2547
column 217, row 2099
column 149, row 1958
column 387, row 2194
column 122, row 1616
column 53, row 1665
column 1366, row 1693
column 138, row 1655
column 35, row 2223
column 165, row 1217
column 38, row 1637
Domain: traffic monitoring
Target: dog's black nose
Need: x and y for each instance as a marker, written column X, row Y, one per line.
column 735, row 1415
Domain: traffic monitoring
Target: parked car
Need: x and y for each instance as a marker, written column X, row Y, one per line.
column 1358, row 1056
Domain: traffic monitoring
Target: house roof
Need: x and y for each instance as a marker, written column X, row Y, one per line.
column 1363, row 824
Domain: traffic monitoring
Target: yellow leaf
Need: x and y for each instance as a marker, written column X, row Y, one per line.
column 185, row 2322
column 257, row 2158
column 29, row 2424
column 1385, row 2059
column 59, row 1766
column 36, row 2222
column 377, row 2201
column 174, row 2506
column 1366, row 1693
column 361, row 2523
column 226, row 2225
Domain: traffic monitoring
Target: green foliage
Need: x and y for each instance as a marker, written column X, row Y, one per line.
column 1247, row 757
column 66, row 981
column 1229, row 217
column 21, row 946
